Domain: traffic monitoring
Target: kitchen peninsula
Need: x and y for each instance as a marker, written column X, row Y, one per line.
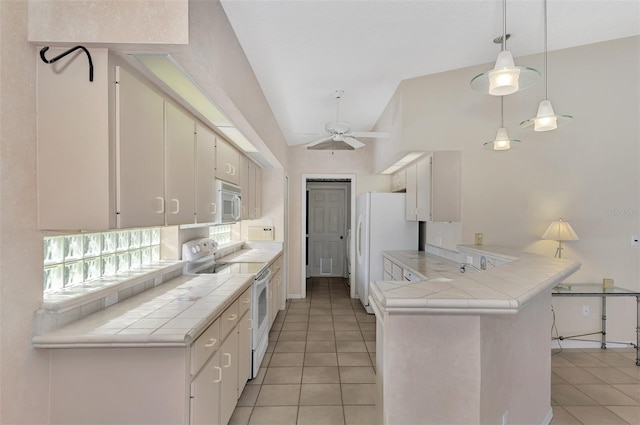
column 466, row 348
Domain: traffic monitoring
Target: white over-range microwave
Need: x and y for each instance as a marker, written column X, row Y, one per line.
column 228, row 202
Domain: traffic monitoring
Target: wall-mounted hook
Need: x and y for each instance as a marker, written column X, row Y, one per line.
column 60, row 56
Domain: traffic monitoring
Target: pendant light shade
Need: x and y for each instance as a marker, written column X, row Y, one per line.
column 502, row 142
column 505, row 78
column 546, row 119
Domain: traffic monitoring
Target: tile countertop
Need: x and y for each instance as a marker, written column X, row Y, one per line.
column 502, row 289
column 173, row 314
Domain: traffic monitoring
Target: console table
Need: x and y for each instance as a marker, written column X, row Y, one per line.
column 596, row 290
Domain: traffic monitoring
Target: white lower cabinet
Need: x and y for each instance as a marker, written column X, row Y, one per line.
column 244, row 354
column 205, row 388
column 229, row 384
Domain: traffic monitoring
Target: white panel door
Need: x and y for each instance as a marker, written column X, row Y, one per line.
column 326, row 232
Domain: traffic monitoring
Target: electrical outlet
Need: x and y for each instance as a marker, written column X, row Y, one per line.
column 585, row 311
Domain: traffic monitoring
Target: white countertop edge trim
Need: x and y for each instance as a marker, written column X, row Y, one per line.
column 113, row 345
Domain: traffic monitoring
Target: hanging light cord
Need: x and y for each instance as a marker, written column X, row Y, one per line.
column 504, row 25
column 546, row 96
column 501, row 111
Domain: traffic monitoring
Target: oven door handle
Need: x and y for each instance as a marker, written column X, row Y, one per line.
column 265, row 277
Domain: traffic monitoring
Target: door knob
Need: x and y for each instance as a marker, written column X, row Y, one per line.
column 341, row 237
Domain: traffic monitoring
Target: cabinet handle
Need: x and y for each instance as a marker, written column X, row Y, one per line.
column 219, row 374
column 177, row 210
column 232, row 317
column 161, row 210
column 247, row 300
column 233, row 173
column 228, row 356
column 213, row 208
column 211, row 343
column 228, row 168
column 250, row 324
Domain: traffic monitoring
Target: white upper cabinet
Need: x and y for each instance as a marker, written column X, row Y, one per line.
column 227, row 162
column 434, row 187
column 205, row 174
column 399, row 181
column 180, row 166
column 244, row 185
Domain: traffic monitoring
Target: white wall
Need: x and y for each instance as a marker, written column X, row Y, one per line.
column 581, row 172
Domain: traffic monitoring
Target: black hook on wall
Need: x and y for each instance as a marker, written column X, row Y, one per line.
column 60, row 56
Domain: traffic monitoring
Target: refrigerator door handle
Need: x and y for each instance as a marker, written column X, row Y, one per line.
column 359, row 239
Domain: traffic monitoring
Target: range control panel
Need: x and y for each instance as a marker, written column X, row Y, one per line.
column 198, row 248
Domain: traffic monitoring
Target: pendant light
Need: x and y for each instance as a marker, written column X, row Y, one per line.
column 546, row 119
column 502, row 141
column 505, row 78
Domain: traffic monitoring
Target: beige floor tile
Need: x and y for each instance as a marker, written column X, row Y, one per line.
column 357, row 375
column 320, row 336
column 259, row 378
column 328, row 326
column 249, row 395
column 297, row 312
column 608, row 395
column 299, row 301
column 371, row 346
column 321, row 359
column 633, row 371
column 373, row 359
column 367, row 326
column 611, row 375
column 576, row 375
column 295, row 326
column 360, row 415
column 562, row 417
column 320, row 375
column 351, row 347
column 296, row 319
column 320, row 395
column 276, row 415
column 286, row 359
column 240, row 416
column 354, row 359
column 346, row 326
column 595, row 415
column 348, row 336
column 612, row 358
column 345, row 319
column 278, row 395
column 293, row 336
column 321, row 347
column 369, row 335
column 558, row 361
column 341, row 308
column 320, row 415
column 556, row 379
column 364, row 317
column 289, row 347
column 631, row 414
column 321, row 319
column 569, row 395
column 358, row 393
column 283, row 375
column 582, row 359
column 632, row 390
column 271, row 346
column 276, row 326
column 320, row 311
column 299, row 306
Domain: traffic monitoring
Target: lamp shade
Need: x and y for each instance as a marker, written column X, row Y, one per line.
column 560, row 231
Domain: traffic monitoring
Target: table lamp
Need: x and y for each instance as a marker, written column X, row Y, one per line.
column 560, row 231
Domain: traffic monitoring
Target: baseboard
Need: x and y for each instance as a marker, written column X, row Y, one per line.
column 294, row 296
column 572, row 343
column 547, row 419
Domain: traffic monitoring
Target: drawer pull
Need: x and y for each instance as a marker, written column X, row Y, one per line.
column 211, row 343
column 250, row 324
column 219, row 374
column 228, row 356
column 247, row 300
column 232, row 317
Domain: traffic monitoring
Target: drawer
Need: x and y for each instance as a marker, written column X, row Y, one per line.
column 229, row 320
column 396, row 271
column 204, row 346
column 387, row 276
column 244, row 302
column 388, row 265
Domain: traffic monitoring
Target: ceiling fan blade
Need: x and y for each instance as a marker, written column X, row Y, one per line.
column 366, row 134
column 355, row 143
column 319, row 141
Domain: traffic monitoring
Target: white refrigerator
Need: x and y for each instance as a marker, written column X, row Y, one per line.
column 381, row 226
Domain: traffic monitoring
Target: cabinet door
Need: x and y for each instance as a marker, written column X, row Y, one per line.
column 411, row 193
column 140, row 147
column 227, row 162
column 205, row 174
column 244, row 350
column 251, row 195
column 244, row 185
column 205, row 394
column 399, row 181
column 423, row 189
column 229, row 364
column 258, row 192
column 180, row 171
column 282, row 298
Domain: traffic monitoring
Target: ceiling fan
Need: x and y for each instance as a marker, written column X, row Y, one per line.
column 340, row 136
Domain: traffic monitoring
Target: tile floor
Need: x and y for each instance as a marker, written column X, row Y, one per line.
column 319, row 365
column 319, row 370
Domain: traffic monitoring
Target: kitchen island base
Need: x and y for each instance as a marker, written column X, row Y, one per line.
column 465, row 368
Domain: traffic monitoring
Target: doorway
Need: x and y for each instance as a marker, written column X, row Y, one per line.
column 328, row 203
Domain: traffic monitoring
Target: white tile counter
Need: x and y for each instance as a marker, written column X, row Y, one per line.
column 172, row 314
column 502, row 289
column 468, row 348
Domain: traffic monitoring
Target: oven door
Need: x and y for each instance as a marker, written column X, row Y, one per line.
column 260, row 316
